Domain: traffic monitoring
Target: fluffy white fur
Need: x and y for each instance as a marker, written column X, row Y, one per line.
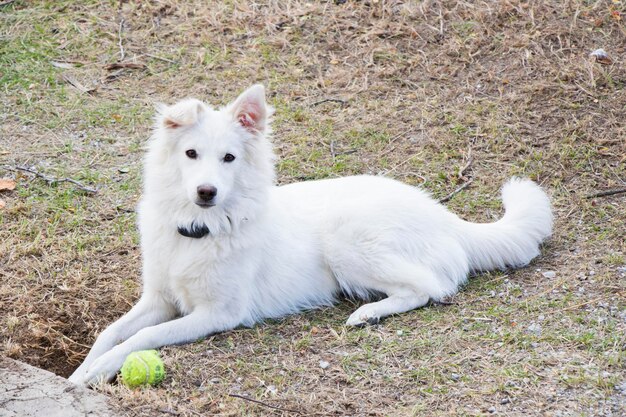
column 274, row 250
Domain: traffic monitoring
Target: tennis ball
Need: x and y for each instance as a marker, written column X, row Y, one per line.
column 143, row 368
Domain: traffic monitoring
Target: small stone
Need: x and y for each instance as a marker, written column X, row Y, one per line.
column 534, row 328
column 324, row 364
column 492, row 409
column 601, row 57
column 215, row 380
column 399, row 332
column 505, row 401
column 549, row 274
column 455, row 377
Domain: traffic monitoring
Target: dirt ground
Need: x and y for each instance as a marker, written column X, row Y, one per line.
column 445, row 95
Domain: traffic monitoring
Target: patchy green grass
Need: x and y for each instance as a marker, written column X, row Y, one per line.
column 431, row 94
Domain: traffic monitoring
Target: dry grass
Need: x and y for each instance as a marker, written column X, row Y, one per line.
column 412, row 91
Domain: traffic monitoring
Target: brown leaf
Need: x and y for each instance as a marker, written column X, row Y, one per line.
column 7, row 184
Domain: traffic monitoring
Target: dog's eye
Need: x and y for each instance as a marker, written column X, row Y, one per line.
column 191, row 153
column 229, row 157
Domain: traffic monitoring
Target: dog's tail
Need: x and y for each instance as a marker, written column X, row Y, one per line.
column 512, row 241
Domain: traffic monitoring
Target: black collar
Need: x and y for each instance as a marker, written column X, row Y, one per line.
column 195, row 231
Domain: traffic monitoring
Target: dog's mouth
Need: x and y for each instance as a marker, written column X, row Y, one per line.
column 204, row 204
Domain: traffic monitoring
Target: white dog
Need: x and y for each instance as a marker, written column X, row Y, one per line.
column 223, row 246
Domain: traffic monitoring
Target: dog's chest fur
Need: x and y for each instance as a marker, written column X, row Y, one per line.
column 201, row 272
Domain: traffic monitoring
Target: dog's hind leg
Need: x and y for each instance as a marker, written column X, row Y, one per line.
column 407, row 287
column 395, row 303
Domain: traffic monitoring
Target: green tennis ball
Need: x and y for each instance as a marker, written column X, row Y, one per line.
column 143, row 368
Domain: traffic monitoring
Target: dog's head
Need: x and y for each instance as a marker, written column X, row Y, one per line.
column 215, row 157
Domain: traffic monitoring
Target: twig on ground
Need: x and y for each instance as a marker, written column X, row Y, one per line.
column 160, row 58
column 455, row 192
column 77, row 85
column 576, row 306
column 468, row 164
column 264, row 404
column 168, row 411
column 442, row 303
column 124, row 210
column 120, row 32
column 389, row 146
column 70, row 340
column 334, row 153
column 607, row 193
column 52, row 180
column 440, row 22
column 122, row 65
column 584, row 90
column 410, row 158
column 112, row 76
column 331, row 100
column 485, row 319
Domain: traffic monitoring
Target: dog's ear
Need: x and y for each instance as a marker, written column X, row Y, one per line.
column 183, row 113
column 250, row 109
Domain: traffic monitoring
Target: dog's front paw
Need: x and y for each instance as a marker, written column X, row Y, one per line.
column 101, row 370
column 77, row 377
column 366, row 314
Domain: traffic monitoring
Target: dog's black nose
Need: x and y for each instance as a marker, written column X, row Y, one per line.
column 206, row 192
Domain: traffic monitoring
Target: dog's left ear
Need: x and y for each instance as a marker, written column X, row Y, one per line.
column 250, row 109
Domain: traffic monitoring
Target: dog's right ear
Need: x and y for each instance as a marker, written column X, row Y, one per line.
column 183, row 113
